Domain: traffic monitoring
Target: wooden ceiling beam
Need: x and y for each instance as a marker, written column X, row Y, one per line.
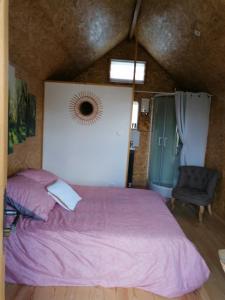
column 135, row 18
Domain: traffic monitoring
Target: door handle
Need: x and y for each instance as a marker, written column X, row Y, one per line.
column 160, row 141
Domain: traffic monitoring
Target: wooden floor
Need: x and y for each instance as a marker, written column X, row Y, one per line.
column 208, row 238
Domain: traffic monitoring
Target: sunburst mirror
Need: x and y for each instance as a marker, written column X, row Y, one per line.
column 86, row 108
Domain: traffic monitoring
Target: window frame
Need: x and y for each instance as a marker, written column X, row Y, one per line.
column 127, row 81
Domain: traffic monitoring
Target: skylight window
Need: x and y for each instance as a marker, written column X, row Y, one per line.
column 123, row 71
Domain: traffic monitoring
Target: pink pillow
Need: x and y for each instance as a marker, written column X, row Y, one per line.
column 29, row 197
column 41, row 176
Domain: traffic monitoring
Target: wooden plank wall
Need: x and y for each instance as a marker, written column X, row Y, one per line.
column 215, row 156
column 3, row 124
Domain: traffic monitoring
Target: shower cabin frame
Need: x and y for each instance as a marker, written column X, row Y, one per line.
column 163, row 188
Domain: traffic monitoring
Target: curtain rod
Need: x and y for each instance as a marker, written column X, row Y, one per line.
column 165, row 93
column 151, row 92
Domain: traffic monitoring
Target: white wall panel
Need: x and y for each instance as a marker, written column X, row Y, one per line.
column 87, row 154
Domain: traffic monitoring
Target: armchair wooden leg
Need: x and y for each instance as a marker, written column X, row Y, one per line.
column 210, row 209
column 222, row 258
column 173, row 203
column 201, row 213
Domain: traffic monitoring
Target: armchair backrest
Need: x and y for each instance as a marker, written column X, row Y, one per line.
column 200, row 178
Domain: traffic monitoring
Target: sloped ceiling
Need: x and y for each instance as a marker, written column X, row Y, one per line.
column 57, row 39
column 187, row 37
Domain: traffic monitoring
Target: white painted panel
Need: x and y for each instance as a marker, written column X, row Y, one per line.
column 87, row 154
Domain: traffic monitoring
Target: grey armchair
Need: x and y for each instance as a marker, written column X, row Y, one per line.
column 196, row 185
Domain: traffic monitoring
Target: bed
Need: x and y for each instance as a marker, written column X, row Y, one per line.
column 116, row 237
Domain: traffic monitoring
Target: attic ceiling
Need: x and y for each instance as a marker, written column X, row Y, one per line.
column 57, row 39
column 187, row 37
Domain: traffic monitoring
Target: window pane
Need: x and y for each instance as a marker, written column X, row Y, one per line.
column 140, row 72
column 134, row 119
column 123, row 71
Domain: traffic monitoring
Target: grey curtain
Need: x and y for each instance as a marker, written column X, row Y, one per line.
column 192, row 114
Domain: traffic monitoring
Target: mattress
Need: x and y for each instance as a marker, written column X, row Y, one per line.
column 116, row 237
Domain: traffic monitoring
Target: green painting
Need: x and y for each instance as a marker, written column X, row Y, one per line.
column 22, row 111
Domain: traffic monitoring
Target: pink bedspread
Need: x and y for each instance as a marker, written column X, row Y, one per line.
column 114, row 238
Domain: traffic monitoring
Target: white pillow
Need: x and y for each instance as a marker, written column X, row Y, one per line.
column 63, row 194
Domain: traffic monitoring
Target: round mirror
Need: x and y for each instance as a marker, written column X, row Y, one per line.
column 86, row 108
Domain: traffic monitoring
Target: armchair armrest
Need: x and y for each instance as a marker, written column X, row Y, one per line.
column 212, row 185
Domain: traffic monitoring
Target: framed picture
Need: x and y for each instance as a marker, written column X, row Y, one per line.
column 22, row 111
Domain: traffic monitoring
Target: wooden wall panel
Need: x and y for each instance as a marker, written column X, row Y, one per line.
column 141, row 158
column 3, row 126
column 215, row 156
column 29, row 153
column 157, row 79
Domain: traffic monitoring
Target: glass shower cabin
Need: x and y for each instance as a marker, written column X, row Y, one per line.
column 164, row 147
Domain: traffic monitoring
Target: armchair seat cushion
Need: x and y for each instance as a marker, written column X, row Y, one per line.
column 191, row 195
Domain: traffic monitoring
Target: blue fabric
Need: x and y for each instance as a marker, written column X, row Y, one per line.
column 22, row 210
